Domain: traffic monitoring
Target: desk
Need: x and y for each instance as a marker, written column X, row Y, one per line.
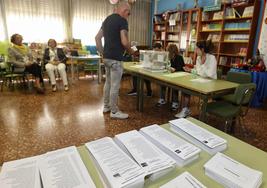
column 86, row 58
column 214, row 88
column 237, row 149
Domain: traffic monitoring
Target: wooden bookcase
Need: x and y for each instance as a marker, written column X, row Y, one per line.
column 232, row 30
column 166, row 28
column 189, row 32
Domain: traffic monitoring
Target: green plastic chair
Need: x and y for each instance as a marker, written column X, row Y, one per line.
column 237, row 108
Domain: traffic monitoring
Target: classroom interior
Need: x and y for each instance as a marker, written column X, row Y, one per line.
column 32, row 124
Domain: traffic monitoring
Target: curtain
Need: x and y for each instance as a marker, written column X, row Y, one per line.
column 37, row 20
column 87, row 17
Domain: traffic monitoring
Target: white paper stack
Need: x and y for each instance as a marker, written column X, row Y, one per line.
column 116, row 167
column 64, row 168
column 154, row 161
column 206, row 140
column 185, row 180
column 21, row 173
column 231, row 173
column 179, row 149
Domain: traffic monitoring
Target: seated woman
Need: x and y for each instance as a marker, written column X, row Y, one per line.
column 55, row 60
column 177, row 64
column 19, row 55
column 206, row 66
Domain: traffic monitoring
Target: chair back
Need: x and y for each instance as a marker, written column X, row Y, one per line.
column 239, row 77
column 219, row 73
column 244, row 93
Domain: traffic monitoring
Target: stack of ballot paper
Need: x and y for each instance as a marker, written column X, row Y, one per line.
column 115, row 166
column 155, row 162
column 64, row 168
column 231, row 173
column 185, row 180
column 206, row 140
column 23, row 173
column 179, row 149
column 56, row 169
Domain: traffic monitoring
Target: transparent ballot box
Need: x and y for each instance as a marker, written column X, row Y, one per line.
column 156, row 61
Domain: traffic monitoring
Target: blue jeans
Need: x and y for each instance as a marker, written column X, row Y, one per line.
column 114, row 72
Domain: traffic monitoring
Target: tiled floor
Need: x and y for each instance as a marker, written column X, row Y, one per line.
column 33, row 124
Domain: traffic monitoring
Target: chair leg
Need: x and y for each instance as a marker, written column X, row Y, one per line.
column 227, row 125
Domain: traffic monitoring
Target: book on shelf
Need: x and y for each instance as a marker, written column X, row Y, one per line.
column 236, row 37
column 185, row 18
column 239, row 25
column 180, row 150
column 175, row 16
column 163, row 35
column 155, row 162
column 232, row 173
column 218, row 15
column 213, row 26
column 248, row 11
column 116, row 168
column 158, row 19
column 173, row 37
column 214, row 37
column 223, row 60
column 194, row 16
column 243, row 51
column 204, row 139
column 240, row 2
column 184, row 180
column 205, row 16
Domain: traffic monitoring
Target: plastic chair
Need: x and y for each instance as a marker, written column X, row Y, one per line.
column 238, row 108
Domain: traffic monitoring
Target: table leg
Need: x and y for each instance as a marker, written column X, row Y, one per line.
column 72, row 70
column 141, row 106
column 203, row 108
column 138, row 92
column 99, row 72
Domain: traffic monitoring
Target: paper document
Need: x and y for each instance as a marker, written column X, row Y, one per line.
column 231, row 173
column 117, row 167
column 190, row 130
column 21, row 173
column 185, row 180
column 201, row 80
column 64, row 168
column 144, row 152
column 176, row 74
column 174, row 145
column 172, row 22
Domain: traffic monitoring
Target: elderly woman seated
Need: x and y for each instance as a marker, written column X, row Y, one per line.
column 20, row 56
column 55, row 60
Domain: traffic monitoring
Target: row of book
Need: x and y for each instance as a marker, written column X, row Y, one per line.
column 236, row 37
column 129, row 158
column 230, row 61
column 229, row 13
column 173, row 37
column 213, row 26
column 237, row 25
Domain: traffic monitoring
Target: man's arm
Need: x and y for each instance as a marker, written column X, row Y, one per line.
column 125, row 41
column 98, row 41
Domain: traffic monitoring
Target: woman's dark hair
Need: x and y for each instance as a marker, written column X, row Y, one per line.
column 157, row 45
column 13, row 37
column 173, row 51
column 206, row 45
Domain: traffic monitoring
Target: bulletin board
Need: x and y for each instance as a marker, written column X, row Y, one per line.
column 263, row 36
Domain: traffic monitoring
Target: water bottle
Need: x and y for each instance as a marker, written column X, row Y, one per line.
column 194, row 72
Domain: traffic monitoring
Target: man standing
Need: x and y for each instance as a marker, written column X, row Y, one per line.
column 115, row 32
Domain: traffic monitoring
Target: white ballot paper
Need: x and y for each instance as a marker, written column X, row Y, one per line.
column 22, row 173
column 185, row 180
column 231, row 173
column 182, row 151
column 64, row 168
column 117, row 168
column 201, row 80
column 199, row 136
column 154, row 161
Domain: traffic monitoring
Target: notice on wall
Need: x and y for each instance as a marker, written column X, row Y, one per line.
column 263, row 37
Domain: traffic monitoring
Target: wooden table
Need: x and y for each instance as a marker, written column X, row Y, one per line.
column 213, row 88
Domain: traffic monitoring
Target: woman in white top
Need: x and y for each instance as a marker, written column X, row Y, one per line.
column 206, row 66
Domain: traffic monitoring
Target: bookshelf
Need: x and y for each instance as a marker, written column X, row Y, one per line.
column 232, row 30
column 167, row 28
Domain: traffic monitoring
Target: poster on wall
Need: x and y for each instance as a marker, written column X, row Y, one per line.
column 263, row 37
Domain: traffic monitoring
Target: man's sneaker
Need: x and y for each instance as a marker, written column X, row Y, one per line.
column 106, row 109
column 66, row 88
column 119, row 115
column 132, row 93
column 161, row 102
column 149, row 94
column 54, row 88
column 184, row 113
column 174, row 106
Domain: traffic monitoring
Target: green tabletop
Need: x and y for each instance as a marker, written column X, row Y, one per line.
column 182, row 81
column 237, row 149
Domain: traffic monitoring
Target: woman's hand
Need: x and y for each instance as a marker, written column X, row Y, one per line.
column 187, row 69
